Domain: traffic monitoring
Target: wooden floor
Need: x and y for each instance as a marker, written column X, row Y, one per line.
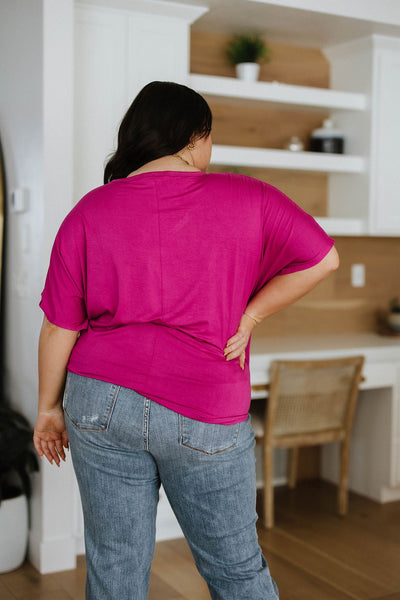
column 313, row 555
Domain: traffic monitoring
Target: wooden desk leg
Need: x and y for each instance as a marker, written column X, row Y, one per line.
column 268, row 516
column 344, row 477
column 293, row 467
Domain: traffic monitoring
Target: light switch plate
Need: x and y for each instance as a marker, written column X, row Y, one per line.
column 19, row 200
column 358, row 275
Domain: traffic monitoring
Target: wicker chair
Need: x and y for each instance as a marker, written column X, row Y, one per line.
column 309, row 403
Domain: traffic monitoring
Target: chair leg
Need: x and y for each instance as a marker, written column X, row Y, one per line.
column 268, row 508
column 293, row 466
column 344, row 478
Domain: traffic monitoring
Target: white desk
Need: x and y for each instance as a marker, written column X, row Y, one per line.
column 375, row 449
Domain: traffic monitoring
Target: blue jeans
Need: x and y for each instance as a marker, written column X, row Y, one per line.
column 123, row 446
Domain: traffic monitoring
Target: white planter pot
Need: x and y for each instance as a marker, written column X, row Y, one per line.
column 13, row 533
column 394, row 321
column 248, row 71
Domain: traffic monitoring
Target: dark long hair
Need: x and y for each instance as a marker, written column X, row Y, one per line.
column 163, row 118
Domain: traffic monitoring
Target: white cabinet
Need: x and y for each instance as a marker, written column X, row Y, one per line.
column 370, row 66
column 117, row 52
column 156, row 50
column 385, row 182
column 100, row 91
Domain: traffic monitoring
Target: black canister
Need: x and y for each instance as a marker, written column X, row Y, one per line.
column 327, row 139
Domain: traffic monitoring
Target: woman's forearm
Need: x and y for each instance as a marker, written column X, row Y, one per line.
column 278, row 293
column 284, row 290
column 55, row 347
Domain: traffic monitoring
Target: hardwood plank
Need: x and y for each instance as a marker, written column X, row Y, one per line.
column 180, row 548
column 158, row 588
column 330, row 570
column 5, row 593
column 370, row 515
column 27, row 584
column 376, row 518
column 174, row 564
column 73, row 581
column 296, row 584
column 343, row 539
column 55, row 595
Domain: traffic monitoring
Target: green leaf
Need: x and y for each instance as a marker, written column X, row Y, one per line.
column 247, row 48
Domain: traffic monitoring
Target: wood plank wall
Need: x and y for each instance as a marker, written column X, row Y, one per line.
column 335, row 306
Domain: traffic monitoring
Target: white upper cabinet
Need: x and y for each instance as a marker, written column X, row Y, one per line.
column 370, row 66
column 385, row 168
column 117, row 52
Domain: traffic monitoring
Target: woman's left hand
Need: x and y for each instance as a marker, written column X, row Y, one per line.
column 50, row 436
column 237, row 344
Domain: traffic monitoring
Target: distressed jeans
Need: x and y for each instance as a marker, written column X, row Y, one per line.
column 123, row 447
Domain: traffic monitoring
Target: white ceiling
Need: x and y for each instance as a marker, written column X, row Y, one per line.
column 297, row 26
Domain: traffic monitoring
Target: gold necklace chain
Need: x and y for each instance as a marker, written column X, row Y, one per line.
column 182, row 159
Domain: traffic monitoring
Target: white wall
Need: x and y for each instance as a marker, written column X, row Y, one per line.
column 36, row 75
column 21, row 130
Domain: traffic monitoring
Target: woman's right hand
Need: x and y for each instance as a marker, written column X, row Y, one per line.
column 237, row 344
column 50, row 435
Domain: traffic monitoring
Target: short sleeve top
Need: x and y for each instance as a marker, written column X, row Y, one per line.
column 155, row 271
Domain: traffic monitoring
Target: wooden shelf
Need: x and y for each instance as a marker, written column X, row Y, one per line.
column 291, row 96
column 237, row 156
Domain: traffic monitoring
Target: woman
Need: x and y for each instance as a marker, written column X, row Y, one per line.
column 156, row 281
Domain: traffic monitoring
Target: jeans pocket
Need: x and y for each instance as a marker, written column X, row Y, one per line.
column 88, row 402
column 209, row 438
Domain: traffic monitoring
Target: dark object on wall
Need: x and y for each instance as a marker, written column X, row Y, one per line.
column 394, row 315
column 17, row 461
column 327, row 139
column 17, row 457
column 2, row 271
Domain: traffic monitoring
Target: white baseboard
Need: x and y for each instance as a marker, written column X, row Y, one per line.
column 168, row 530
column 390, row 494
column 49, row 556
column 167, row 526
column 79, row 545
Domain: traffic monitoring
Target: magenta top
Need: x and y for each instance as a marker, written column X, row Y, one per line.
column 155, row 271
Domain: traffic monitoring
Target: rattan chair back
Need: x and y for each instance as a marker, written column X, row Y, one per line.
column 316, row 396
column 309, row 403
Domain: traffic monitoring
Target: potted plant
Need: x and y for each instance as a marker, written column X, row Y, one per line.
column 394, row 314
column 17, row 461
column 246, row 52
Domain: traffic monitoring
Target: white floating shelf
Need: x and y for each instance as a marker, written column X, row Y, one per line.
column 295, row 96
column 237, row 156
column 334, row 226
